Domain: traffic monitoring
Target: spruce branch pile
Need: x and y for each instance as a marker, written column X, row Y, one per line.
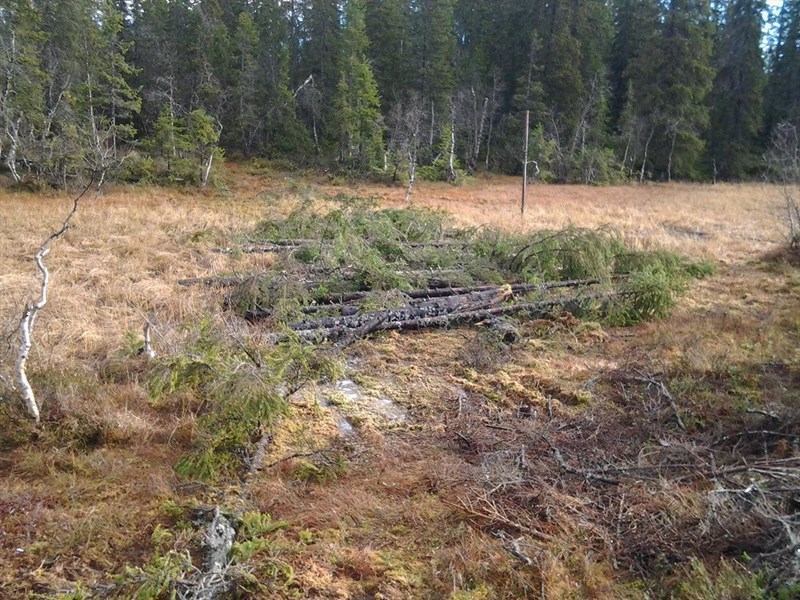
column 356, row 270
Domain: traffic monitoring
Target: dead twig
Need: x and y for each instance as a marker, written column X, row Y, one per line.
column 765, row 413
column 664, row 392
column 496, row 517
column 587, row 474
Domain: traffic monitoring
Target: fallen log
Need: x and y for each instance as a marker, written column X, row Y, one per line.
column 267, row 246
column 431, row 308
column 215, row 579
column 222, row 282
column 345, row 302
column 530, row 309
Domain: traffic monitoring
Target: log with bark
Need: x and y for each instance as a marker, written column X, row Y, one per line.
column 406, row 319
column 268, row 246
column 430, row 308
column 345, row 303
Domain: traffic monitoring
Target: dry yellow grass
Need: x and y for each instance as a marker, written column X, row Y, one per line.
column 381, row 530
column 121, row 261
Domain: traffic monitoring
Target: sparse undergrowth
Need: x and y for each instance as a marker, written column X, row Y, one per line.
column 560, row 455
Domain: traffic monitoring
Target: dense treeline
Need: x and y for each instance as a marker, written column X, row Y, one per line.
column 627, row 89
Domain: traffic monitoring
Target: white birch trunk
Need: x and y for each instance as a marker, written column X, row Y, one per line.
column 207, row 170
column 32, row 310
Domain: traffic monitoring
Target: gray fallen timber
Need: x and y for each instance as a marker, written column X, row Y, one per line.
column 233, row 280
column 286, row 245
column 216, row 578
column 447, row 290
column 420, row 297
column 417, row 296
column 430, row 308
column 531, row 309
column 222, row 282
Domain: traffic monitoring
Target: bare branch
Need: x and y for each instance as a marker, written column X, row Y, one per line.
column 32, row 309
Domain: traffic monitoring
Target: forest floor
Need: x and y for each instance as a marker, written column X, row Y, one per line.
column 583, row 462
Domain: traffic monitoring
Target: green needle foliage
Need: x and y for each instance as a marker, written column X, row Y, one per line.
column 237, row 393
column 356, row 248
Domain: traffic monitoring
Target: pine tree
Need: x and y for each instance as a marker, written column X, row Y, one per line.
column 736, row 98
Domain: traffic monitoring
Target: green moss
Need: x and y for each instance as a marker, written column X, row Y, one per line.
column 730, row 581
column 325, row 468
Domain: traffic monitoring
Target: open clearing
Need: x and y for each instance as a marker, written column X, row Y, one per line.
column 582, row 461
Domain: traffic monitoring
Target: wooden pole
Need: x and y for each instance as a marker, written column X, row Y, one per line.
column 525, row 163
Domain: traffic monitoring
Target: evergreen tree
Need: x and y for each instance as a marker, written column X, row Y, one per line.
column 22, row 82
column 82, row 78
column 636, row 23
column 214, row 48
column 320, row 68
column 103, row 99
column 670, row 82
column 736, row 98
column 283, row 132
column 164, row 52
column 388, row 26
column 248, row 122
column 783, row 92
column 87, row 99
column 357, row 102
column 434, row 33
column 321, row 46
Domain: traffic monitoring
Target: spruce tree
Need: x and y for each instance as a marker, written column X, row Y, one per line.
column 670, row 82
column 357, row 103
column 783, row 91
column 22, row 83
column 388, row 26
column 435, row 41
column 736, row 98
column 283, row 132
column 636, row 22
column 246, row 101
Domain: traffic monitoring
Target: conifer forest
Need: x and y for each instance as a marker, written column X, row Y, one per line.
column 617, row 90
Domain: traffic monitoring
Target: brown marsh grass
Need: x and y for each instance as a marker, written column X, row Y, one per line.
column 80, row 500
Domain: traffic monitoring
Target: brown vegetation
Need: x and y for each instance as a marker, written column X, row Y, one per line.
column 582, row 461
